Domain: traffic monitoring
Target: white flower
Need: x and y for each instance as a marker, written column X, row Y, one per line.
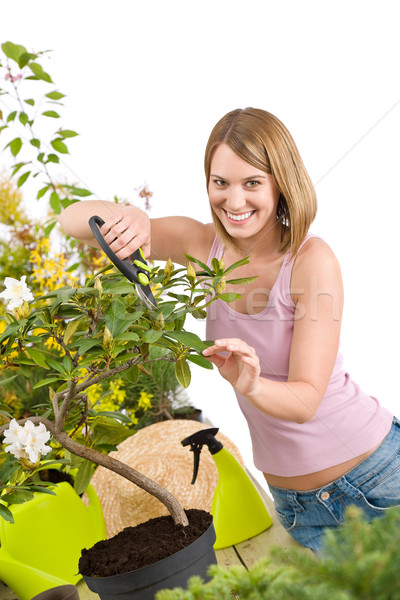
column 27, row 442
column 16, row 291
column 15, row 436
column 36, row 438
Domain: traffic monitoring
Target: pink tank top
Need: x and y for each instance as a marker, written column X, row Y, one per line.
column 347, row 423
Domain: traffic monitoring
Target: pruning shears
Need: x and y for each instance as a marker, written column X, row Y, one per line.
column 135, row 268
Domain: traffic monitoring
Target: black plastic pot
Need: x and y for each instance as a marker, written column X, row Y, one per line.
column 170, row 572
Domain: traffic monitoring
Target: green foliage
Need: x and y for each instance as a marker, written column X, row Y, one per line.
column 26, row 117
column 79, row 331
column 360, row 561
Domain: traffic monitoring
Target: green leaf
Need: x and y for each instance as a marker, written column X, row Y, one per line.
column 40, row 489
column 17, row 167
column 188, row 339
column 55, row 364
column 81, row 192
column 37, row 357
column 117, row 308
column 35, row 142
column 24, row 58
column 215, row 264
column 51, row 113
column 5, row 512
column 198, row 262
column 242, row 280
column 182, row 372
column 30, row 101
column 70, row 330
column 115, row 414
column 37, row 70
column 239, row 263
column 83, row 476
column 42, row 192
column 67, row 363
column 18, row 497
column 229, row 297
column 67, row 133
column 200, row 360
column 44, row 382
column 151, row 335
column 52, row 158
column 11, row 116
column 86, row 344
column 23, row 117
column 128, row 336
column 13, row 51
column 55, row 202
column 23, row 178
column 47, row 230
column 132, row 374
column 15, row 146
column 4, row 381
column 59, row 146
column 55, row 95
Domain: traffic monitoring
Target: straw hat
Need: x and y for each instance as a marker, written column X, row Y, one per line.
column 156, row 451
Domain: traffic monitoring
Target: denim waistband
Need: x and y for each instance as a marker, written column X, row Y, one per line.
column 358, row 474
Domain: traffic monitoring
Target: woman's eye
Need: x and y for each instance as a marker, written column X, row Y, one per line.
column 252, row 183
column 219, row 182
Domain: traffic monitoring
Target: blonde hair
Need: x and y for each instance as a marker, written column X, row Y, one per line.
column 260, row 139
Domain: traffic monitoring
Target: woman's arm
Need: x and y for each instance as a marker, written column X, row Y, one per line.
column 128, row 227
column 318, row 294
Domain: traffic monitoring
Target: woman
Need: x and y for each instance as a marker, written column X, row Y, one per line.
column 321, row 442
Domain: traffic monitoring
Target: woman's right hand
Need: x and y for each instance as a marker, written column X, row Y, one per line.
column 126, row 231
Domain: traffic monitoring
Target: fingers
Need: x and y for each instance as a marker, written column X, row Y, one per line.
column 232, row 345
column 124, row 235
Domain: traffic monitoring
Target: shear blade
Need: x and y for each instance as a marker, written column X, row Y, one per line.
column 144, row 298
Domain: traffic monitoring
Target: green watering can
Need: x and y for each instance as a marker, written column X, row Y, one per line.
column 238, row 510
column 41, row 549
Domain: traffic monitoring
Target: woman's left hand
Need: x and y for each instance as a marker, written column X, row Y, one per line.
column 237, row 362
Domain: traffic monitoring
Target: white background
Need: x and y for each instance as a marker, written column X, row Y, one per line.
column 147, row 80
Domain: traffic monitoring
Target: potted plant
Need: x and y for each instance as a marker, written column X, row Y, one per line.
column 84, row 330
column 99, row 331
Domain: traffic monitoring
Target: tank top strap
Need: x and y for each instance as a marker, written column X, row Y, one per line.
column 285, row 275
column 216, row 251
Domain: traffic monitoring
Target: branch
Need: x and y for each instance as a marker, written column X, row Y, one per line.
column 145, row 483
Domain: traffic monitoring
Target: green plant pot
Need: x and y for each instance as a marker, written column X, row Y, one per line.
column 41, row 549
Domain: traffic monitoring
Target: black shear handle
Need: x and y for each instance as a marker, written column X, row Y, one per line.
column 125, row 266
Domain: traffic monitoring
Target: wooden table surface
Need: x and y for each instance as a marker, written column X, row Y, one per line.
column 246, row 553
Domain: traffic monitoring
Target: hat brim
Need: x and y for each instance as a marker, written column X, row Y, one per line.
column 157, row 452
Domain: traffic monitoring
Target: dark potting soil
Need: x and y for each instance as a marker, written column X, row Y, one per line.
column 143, row 545
column 55, row 476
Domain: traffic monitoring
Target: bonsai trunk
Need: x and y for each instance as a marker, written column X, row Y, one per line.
column 170, row 502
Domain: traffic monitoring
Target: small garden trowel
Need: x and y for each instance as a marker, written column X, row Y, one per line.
column 134, row 268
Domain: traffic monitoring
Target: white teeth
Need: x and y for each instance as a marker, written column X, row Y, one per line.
column 239, row 217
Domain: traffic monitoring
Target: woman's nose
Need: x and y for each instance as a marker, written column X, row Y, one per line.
column 235, row 199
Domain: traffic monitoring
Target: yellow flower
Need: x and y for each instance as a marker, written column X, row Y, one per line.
column 118, row 394
column 144, row 401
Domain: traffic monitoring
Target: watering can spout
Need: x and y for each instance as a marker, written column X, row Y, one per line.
column 238, row 510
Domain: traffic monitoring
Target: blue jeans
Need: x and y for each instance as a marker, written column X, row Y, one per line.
column 373, row 486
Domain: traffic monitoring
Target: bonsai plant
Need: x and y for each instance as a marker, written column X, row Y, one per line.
column 99, row 331
column 65, row 341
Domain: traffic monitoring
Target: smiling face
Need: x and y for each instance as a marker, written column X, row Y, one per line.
column 243, row 197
